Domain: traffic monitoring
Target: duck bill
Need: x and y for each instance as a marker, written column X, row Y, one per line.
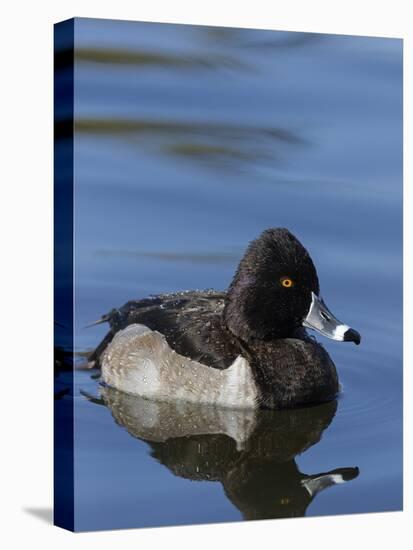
column 321, row 319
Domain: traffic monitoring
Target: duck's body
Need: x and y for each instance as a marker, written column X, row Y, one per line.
column 190, row 321
column 222, row 348
column 140, row 361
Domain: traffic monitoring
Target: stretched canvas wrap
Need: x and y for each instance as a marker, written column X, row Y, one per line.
column 200, row 378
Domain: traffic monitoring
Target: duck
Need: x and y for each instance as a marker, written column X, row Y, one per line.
column 244, row 348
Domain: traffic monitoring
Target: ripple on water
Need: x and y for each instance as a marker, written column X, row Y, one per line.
column 371, row 392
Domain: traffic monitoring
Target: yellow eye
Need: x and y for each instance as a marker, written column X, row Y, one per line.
column 286, row 282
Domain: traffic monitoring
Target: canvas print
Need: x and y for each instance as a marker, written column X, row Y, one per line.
column 228, row 274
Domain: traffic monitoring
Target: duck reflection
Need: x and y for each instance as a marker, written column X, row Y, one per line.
column 252, row 453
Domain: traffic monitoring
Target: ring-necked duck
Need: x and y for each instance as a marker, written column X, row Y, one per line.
column 243, row 348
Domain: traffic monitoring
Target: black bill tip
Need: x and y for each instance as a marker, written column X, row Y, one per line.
column 347, row 474
column 352, row 336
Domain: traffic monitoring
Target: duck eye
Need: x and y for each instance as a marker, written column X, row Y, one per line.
column 286, row 282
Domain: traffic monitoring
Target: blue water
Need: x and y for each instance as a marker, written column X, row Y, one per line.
column 189, row 142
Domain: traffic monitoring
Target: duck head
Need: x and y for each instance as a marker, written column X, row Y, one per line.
column 276, row 291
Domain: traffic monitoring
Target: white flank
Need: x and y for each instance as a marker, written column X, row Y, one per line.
column 140, row 361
